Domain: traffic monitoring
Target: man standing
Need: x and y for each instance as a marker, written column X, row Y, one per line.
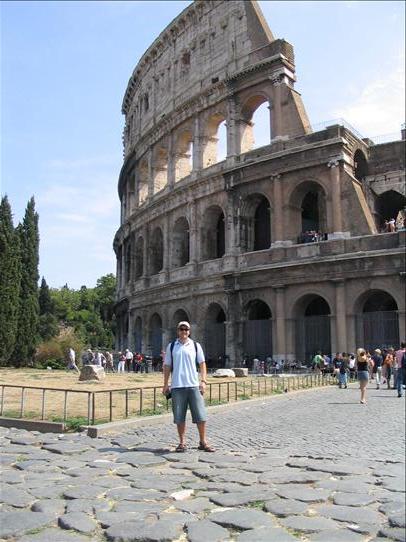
column 72, row 360
column 181, row 358
column 399, row 366
column 128, row 360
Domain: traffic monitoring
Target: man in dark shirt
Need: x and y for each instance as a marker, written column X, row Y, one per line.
column 377, row 370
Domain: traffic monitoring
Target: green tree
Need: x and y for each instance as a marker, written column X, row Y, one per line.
column 46, row 304
column 10, row 278
column 28, row 314
column 48, row 323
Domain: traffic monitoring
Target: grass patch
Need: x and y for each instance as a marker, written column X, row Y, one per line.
column 152, row 412
column 258, row 505
column 16, row 414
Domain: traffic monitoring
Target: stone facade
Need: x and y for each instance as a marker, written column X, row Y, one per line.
column 225, row 244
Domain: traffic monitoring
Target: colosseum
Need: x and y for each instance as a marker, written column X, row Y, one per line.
column 275, row 250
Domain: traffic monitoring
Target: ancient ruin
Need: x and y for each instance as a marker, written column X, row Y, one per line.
column 272, row 251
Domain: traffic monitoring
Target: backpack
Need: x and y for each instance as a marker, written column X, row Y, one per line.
column 172, row 346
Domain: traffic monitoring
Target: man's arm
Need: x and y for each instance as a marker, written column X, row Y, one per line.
column 167, row 372
column 203, row 375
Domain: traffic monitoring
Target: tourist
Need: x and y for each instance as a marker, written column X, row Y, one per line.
column 109, row 363
column 181, row 359
column 399, row 366
column 351, row 366
column 337, row 360
column 121, row 362
column 377, row 370
column 255, row 364
column 128, row 360
column 318, row 362
column 363, row 373
column 89, row 357
column 72, row 360
column 388, row 364
column 342, row 370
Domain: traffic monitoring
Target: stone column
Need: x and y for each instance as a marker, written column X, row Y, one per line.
column 280, row 320
column 171, row 160
column 166, row 247
column 130, row 331
column 341, row 323
column 193, row 252
column 276, row 108
column 233, row 129
column 197, row 145
column 278, row 230
column 335, row 181
column 145, row 258
column 150, row 174
column 230, row 227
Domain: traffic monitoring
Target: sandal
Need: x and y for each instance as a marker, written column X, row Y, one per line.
column 205, row 447
column 181, row 448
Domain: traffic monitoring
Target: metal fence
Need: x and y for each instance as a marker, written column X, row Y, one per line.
column 94, row 407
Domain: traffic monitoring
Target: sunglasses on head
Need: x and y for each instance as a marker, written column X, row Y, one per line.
column 184, row 328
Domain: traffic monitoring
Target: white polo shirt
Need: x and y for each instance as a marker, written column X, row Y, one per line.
column 184, row 373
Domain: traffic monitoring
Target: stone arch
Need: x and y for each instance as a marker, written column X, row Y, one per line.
column 160, row 168
column 215, row 335
column 308, row 203
column 313, row 326
column 155, row 335
column 128, row 262
column 143, row 177
column 138, row 343
column 211, row 140
column 183, row 154
column 255, row 108
column 255, row 223
column 180, row 242
column 360, row 165
column 139, row 257
column 257, row 330
column 157, row 251
column 376, row 320
column 213, row 233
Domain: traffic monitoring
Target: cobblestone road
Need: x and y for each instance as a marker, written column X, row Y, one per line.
column 313, row 465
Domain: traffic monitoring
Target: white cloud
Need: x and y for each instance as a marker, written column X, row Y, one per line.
column 379, row 108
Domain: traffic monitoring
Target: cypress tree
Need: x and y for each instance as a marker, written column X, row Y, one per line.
column 10, row 278
column 28, row 317
column 46, row 305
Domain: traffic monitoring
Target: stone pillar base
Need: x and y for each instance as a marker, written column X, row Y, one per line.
column 281, row 244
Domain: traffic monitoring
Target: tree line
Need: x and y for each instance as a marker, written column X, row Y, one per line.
column 38, row 324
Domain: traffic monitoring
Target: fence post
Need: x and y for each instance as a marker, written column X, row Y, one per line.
column 236, row 391
column 126, row 403
column 2, row 400
column 210, row 393
column 228, row 392
column 219, row 392
column 22, row 402
column 259, row 387
column 111, row 405
column 266, row 391
column 252, row 388
column 154, row 399
column 65, row 405
column 43, row 404
column 243, row 388
column 93, row 408
column 88, row 408
column 141, row 398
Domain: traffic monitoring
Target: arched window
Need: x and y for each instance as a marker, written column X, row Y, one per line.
column 310, row 212
column 389, row 205
column 255, row 223
column 211, row 154
column 313, row 327
column 360, row 165
column 180, row 243
column 213, row 233
column 184, row 155
column 138, row 334
column 128, row 263
column 155, row 335
column 157, row 251
column 308, row 215
column 139, row 258
column 378, row 321
column 257, row 131
column 257, row 331
column 215, row 335
column 262, row 226
column 160, row 168
column 142, row 181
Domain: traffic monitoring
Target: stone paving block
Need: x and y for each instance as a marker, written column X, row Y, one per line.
column 88, row 506
column 205, row 531
column 194, row 506
column 304, row 494
column 138, row 459
column 77, row 521
column 47, row 492
column 11, row 477
column 285, row 507
column 292, row 476
column 54, row 535
column 395, row 470
column 397, row 519
column 66, row 448
column 350, row 514
column 266, row 534
column 239, row 477
column 242, row 518
column 13, row 524
column 394, row 484
column 141, row 507
column 350, row 485
column 341, row 469
column 160, row 531
column 306, row 524
column 392, row 507
column 14, row 496
column 50, row 506
column 242, row 497
column 107, row 519
column 83, row 492
column 133, row 494
column 357, row 499
column 158, row 484
column 336, row 535
column 392, row 533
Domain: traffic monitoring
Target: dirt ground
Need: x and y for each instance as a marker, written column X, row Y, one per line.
column 67, row 398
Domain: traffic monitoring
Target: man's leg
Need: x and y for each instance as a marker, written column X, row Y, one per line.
column 201, row 427
column 181, row 432
column 399, row 382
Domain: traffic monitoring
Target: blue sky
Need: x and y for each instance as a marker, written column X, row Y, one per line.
column 64, row 70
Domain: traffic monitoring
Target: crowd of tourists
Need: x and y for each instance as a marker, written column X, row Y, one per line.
column 116, row 362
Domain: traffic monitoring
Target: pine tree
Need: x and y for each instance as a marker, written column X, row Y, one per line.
column 10, row 278
column 28, row 317
column 48, row 323
column 46, row 305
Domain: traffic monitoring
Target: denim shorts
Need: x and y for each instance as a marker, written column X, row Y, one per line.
column 184, row 397
column 363, row 376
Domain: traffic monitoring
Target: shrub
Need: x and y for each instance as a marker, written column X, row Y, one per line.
column 53, row 353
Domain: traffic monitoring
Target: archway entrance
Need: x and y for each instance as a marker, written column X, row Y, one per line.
column 378, row 321
column 179, row 316
column 258, row 330
column 215, row 336
column 313, row 328
column 138, row 335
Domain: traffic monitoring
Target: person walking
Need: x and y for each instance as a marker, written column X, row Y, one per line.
column 363, row 373
column 128, row 360
column 377, row 370
column 109, row 363
column 72, row 360
column 181, row 358
column 400, row 364
column 388, row 363
column 121, row 363
column 342, row 372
